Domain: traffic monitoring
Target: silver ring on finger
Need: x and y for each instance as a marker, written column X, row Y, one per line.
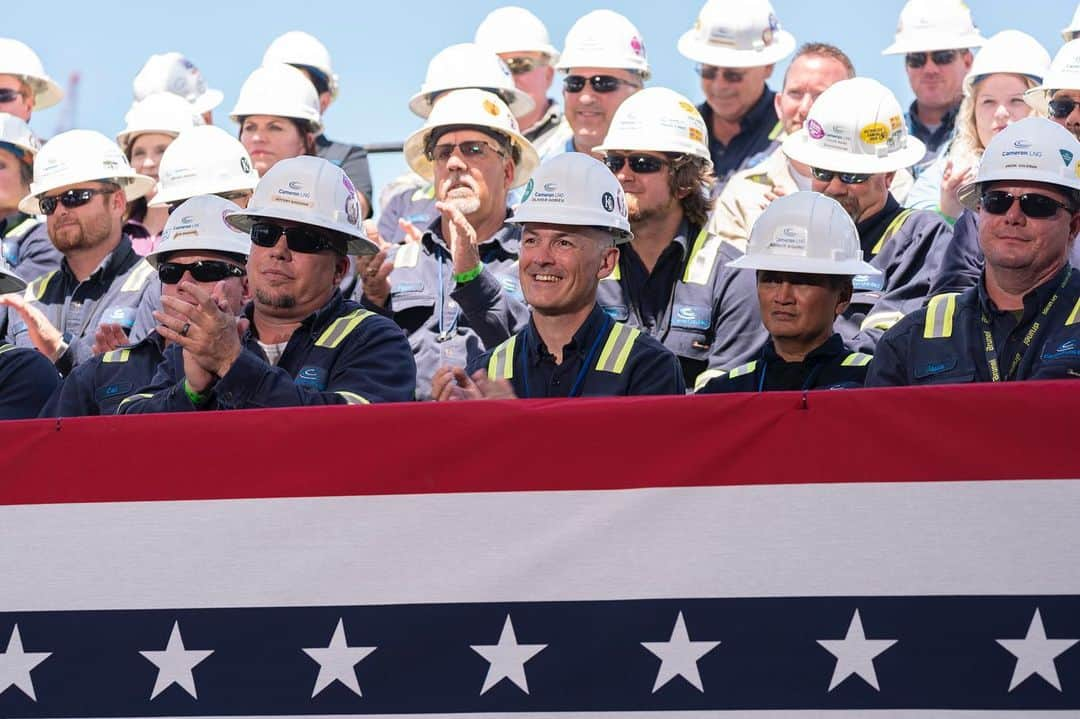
column 184, row 329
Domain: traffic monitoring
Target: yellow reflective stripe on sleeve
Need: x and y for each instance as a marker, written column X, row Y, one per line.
column 939, row 316
column 36, row 289
column 777, row 129
column 352, row 398
column 501, row 362
column 702, row 258
column 707, row 376
column 25, row 226
column 427, row 192
column 340, row 328
column 881, row 320
column 5, row 348
column 857, row 359
column 407, row 255
column 132, row 398
column 1074, row 316
column 116, row 356
column 615, row 274
column 616, row 350
column 138, row 277
column 747, row 368
column 891, row 230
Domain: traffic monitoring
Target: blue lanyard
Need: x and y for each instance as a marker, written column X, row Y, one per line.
column 576, row 388
column 809, row 383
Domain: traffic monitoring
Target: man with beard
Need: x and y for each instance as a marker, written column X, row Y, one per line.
column 671, row 281
column 82, row 184
column 455, row 289
column 855, row 141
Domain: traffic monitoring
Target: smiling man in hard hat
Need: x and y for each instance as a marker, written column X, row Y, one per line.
column 573, row 215
column 27, row 378
column 1022, row 320
column 805, row 250
column 24, row 86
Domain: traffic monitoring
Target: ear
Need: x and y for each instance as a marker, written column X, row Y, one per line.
column 843, row 299
column 325, row 98
column 119, row 201
column 245, row 289
column 889, row 177
column 768, row 71
column 341, row 266
column 776, row 101
column 509, row 168
column 609, row 260
column 1074, row 227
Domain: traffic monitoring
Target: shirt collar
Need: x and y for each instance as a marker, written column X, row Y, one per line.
column 947, row 120
column 831, row 348
column 315, row 322
column 872, row 227
column 507, row 237
column 580, row 343
column 1033, row 300
column 112, row 265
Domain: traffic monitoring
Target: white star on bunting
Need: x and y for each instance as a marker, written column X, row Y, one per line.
column 507, row 658
column 679, row 656
column 15, row 665
column 855, row 654
column 337, row 662
column 175, row 663
column 1035, row 654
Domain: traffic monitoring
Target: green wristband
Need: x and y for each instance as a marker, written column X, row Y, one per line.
column 469, row 276
column 196, row 398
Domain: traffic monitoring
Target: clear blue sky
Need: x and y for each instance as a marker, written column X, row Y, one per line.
column 381, row 49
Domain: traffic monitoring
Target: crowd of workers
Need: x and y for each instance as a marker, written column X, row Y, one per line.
column 622, row 242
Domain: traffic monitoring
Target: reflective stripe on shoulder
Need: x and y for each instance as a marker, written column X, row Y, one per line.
column 616, row 350
column 407, row 255
column 707, row 376
column 5, row 347
column 501, row 362
column 777, row 129
column 138, row 276
column 702, row 258
column 892, row 229
column 116, row 356
column 352, row 398
column 36, row 289
column 132, row 398
column 857, row 359
column 1074, row 316
column 747, row 368
column 427, row 192
column 25, row 226
column 881, row 320
column 340, row 328
column 939, row 316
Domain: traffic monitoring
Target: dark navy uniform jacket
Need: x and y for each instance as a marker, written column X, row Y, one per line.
column 605, row 358
column 450, row 324
column 757, row 129
column 27, row 378
column 27, row 246
column 341, row 354
column 97, row 387
column 830, row 366
column 946, row 342
column 353, row 160
column 703, row 311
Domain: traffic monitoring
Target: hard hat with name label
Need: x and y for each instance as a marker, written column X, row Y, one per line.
column 79, row 156
column 279, row 90
column 577, row 190
column 741, row 34
column 471, row 108
column 808, row 233
column 604, row 39
column 311, row 191
column 298, row 48
column 1012, row 52
column 204, row 160
column 1070, row 32
column 1030, row 150
column 515, row 29
column 468, row 65
column 199, row 224
column 1064, row 74
column 9, row 280
column 17, row 138
column 16, row 58
column 172, row 72
column 658, row 120
column 928, row 25
column 161, row 113
column 856, row 126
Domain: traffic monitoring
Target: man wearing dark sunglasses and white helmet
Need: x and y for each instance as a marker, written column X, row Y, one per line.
column 1058, row 97
column 1022, row 320
column 197, row 245
column 936, row 38
column 855, row 142
column 299, row 343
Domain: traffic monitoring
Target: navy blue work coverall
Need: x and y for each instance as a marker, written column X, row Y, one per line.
column 830, row 366
column 27, row 378
column 97, row 386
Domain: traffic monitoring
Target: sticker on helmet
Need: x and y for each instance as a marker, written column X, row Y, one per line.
column 620, row 200
column 814, row 129
column 895, row 122
column 637, row 46
column 608, row 201
column 352, row 209
column 690, row 109
column 875, row 133
column 245, row 166
column 1066, row 156
column 490, row 108
column 789, row 240
column 528, row 191
column 696, row 134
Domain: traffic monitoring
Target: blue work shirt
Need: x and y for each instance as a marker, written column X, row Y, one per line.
column 936, row 139
column 27, row 378
column 97, row 387
column 829, row 366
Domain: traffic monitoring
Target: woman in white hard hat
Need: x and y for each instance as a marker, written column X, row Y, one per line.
column 279, row 116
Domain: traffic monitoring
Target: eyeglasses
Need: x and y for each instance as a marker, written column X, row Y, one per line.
column 709, row 72
column 470, row 150
column 70, row 199
column 848, row 178
column 522, row 65
column 639, row 164
column 1062, row 107
column 7, row 94
column 600, row 83
column 916, row 60
column 231, row 196
column 299, row 238
column 201, row 271
column 1032, row 204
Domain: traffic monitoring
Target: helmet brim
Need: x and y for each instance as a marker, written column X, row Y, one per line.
column 356, row 243
column 798, row 148
column 692, row 48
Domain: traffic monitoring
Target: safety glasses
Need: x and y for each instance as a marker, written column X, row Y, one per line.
column 299, row 238
column 709, row 72
column 848, row 178
column 522, row 65
column 470, row 150
column 201, row 271
column 916, row 60
column 1062, row 107
column 70, row 199
column 639, row 164
column 1032, row 204
column 7, row 95
column 600, row 83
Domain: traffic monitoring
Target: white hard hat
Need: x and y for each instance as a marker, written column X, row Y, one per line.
column 163, row 113
column 659, row 120
column 1030, row 150
column 515, row 29
column 311, row 191
column 301, row 49
column 16, row 58
column 856, row 126
column 199, row 224
column 805, row 232
column 9, row 281
column 1010, row 51
column 604, row 39
column 1068, row 33
column 578, row 190
column 204, row 160
column 468, row 65
column 17, row 137
column 741, row 34
column 471, row 108
column 927, row 25
column 78, row 156
column 172, row 72
column 279, row 90
column 1064, row 74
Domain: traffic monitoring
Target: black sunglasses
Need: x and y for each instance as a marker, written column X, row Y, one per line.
column 848, row 178
column 600, row 83
column 522, row 65
column 1062, row 107
column 916, row 60
column 639, row 164
column 709, row 72
column 470, row 150
column 71, row 198
column 1032, row 204
column 201, row 271
column 9, row 95
column 299, row 238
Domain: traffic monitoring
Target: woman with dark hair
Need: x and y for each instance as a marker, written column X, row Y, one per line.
column 278, row 113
